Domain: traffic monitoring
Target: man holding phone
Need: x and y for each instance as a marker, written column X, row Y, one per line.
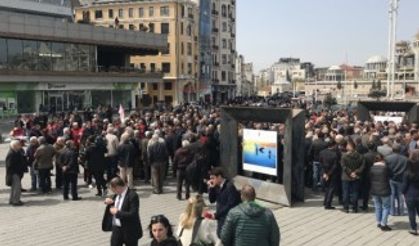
column 222, row 191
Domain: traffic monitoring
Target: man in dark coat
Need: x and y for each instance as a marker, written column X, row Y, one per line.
column 96, row 162
column 15, row 167
column 329, row 163
column 222, row 191
column 70, row 170
column 122, row 215
column 183, row 157
column 317, row 146
column 126, row 159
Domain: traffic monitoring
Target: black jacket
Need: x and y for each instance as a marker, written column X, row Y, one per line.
column 410, row 187
column 171, row 241
column 128, row 215
column 226, row 197
column 397, row 165
column 69, row 160
column 183, row 157
column 329, row 161
column 95, row 157
column 15, row 163
column 316, row 147
column 380, row 180
column 126, row 155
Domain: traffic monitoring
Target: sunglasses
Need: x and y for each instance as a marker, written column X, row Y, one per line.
column 157, row 218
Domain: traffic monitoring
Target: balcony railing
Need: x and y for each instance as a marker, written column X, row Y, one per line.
column 98, row 71
column 214, row 12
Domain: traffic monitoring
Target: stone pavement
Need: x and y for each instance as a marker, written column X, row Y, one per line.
column 48, row 220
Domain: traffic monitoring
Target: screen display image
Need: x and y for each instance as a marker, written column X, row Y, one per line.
column 260, row 151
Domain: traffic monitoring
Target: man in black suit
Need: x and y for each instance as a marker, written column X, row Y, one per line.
column 222, row 191
column 329, row 163
column 122, row 215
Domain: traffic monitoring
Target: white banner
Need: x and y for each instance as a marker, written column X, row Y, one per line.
column 395, row 119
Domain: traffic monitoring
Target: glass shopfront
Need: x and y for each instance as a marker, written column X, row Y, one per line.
column 32, row 55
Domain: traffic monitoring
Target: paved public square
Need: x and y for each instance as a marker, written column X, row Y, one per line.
column 48, row 220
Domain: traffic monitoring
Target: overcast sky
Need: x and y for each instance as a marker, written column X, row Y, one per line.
column 325, row 32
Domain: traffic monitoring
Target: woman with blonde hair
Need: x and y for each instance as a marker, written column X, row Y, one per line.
column 193, row 229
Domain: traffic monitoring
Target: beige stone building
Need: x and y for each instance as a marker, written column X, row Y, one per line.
column 179, row 19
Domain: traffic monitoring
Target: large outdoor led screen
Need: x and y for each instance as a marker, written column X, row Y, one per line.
column 260, row 151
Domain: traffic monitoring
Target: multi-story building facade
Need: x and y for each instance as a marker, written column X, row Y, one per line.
column 178, row 19
column 49, row 63
column 223, row 49
column 245, row 79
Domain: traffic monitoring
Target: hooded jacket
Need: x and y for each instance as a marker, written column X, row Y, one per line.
column 250, row 224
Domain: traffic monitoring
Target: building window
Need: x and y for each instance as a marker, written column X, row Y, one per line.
column 142, row 28
column 120, row 13
column 98, row 14
column 151, row 11
column 190, row 13
column 224, row 44
column 151, row 27
column 142, row 66
column 224, row 59
column 223, row 11
column 110, row 13
column 189, row 30
column 167, row 86
column 181, row 28
column 224, row 26
column 164, row 28
column 155, row 87
column 182, row 11
column 189, row 68
column 182, row 68
column 168, row 99
column 167, row 51
column 141, row 12
column 165, row 67
column 152, row 67
column 223, row 76
column 130, row 12
column 182, row 49
column 189, row 49
column 131, row 27
column 164, row 11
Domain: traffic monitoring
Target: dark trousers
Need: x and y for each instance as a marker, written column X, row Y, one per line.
column 58, row 177
column 350, row 194
column 331, row 184
column 413, row 211
column 45, row 180
column 158, row 171
column 181, row 177
column 118, row 239
column 100, row 181
column 365, row 187
column 70, row 179
column 147, row 171
column 112, row 168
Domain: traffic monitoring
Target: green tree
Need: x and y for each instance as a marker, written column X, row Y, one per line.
column 329, row 101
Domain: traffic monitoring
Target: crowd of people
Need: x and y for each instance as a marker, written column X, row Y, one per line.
column 346, row 158
column 112, row 153
column 357, row 160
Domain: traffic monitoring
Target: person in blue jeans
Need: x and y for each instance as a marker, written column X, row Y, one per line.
column 380, row 191
column 397, row 164
column 410, row 189
column 352, row 165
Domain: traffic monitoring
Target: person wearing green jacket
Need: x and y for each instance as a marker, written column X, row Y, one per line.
column 250, row 224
